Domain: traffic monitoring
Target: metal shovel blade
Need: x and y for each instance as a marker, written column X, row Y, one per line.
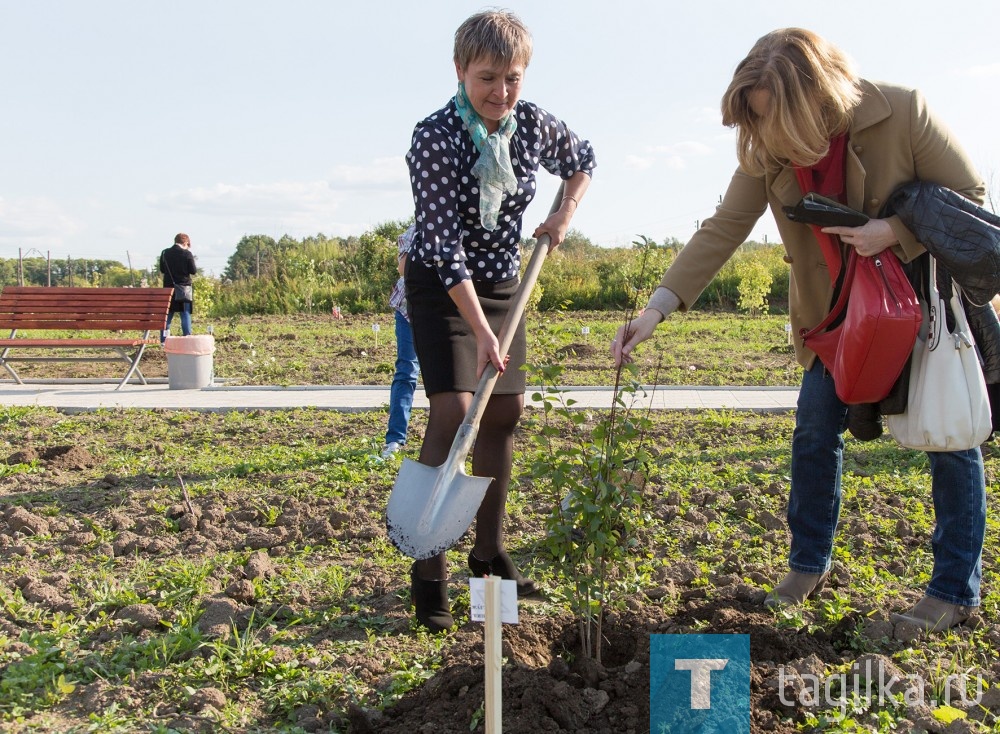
column 431, row 507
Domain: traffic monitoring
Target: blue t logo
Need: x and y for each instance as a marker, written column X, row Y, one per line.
column 699, row 683
column 701, row 678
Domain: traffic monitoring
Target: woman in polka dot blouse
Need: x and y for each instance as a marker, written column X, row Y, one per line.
column 472, row 169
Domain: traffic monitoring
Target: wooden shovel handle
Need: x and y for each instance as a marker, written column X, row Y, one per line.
column 490, row 375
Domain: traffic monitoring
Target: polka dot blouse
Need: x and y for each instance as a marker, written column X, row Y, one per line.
column 446, row 194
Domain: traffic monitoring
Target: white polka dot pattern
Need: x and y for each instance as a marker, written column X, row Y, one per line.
column 446, row 196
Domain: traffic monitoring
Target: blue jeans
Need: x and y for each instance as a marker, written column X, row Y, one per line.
column 404, row 382
column 185, row 321
column 958, row 487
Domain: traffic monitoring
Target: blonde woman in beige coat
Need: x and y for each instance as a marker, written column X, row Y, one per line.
column 797, row 103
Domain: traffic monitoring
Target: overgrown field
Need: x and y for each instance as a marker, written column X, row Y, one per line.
column 170, row 571
column 320, row 350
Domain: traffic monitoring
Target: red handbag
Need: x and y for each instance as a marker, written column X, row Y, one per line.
column 866, row 352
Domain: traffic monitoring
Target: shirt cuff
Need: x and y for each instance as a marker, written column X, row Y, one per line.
column 663, row 300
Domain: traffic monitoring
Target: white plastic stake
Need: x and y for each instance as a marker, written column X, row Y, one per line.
column 376, row 328
column 493, row 647
column 585, row 330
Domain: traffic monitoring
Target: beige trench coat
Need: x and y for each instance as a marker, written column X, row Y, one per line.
column 893, row 139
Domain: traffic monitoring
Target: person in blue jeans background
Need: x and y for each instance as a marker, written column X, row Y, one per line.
column 178, row 266
column 404, row 381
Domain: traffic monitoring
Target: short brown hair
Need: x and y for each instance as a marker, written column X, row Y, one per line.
column 496, row 35
column 813, row 90
column 182, row 239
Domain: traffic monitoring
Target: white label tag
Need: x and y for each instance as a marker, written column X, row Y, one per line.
column 508, row 600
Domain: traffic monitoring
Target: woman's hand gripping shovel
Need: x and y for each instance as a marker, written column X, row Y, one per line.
column 431, row 507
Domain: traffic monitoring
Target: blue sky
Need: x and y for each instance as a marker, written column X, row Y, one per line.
column 125, row 122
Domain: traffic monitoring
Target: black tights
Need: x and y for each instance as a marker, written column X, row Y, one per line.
column 491, row 457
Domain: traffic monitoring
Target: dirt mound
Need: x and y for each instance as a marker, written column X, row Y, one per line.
column 548, row 687
column 73, row 458
column 68, row 457
column 24, row 456
column 577, row 350
column 354, row 352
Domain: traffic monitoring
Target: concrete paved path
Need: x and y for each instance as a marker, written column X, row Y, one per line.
column 78, row 396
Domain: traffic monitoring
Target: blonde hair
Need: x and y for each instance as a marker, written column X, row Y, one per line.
column 498, row 36
column 813, row 91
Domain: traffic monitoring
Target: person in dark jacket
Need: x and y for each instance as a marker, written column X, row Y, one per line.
column 177, row 266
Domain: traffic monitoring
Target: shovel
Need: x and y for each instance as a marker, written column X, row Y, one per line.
column 430, row 508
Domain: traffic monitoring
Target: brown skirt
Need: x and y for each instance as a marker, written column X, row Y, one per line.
column 444, row 342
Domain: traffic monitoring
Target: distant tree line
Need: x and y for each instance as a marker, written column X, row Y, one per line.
column 317, row 273
column 312, row 275
column 79, row 272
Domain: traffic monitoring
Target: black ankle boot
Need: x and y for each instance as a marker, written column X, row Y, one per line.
column 504, row 567
column 430, row 602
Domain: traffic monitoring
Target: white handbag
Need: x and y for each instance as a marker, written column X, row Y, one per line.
column 947, row 406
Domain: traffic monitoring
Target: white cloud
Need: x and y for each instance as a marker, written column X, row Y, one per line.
column 706, row 115
column 380, row 173
column 983, row 71
column 274, row 199
column 684, row 149
column 35, row 222
column 639, row 163
column 673, row 163
column 294, row 206
column 121, row 233
column 674, row 156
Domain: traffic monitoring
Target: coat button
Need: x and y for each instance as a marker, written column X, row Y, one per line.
column 787, row 259
column 859, row 148
column 874, row 202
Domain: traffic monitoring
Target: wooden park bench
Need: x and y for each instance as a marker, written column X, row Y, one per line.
column 82, row 309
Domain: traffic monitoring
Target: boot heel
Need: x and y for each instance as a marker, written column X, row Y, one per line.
column 934, row 615
column 430, row 602
column 820, row 585
column 504, row 567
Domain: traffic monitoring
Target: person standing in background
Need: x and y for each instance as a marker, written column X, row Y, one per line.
column 178, row 267
column 404, row 380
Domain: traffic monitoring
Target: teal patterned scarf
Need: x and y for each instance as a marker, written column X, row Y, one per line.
column 493, row 169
